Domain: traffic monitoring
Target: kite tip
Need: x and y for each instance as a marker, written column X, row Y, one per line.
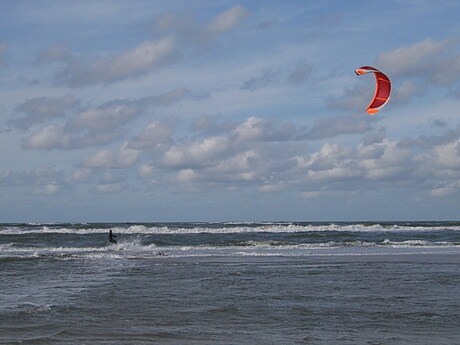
column 372, row 111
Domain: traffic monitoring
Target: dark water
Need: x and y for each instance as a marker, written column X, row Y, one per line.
column 257, row 283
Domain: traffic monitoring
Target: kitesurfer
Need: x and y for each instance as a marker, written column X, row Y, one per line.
column 112, row 237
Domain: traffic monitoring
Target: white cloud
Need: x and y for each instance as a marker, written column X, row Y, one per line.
column 379, row 161
column 417, row 59
column 104, row 118
column 257, row 129
column 335, row 173
column 94, row 126
column 56, row 53
column 34, row 177
column 79, row 176
column 135, row 110
column 154, row 135
column 56, row 138
column 50, row 137
column 448, row 155
column 49, row 189
column 139, row 61
column 190, row 32
column 186, row 175
column 196, row 153
column 227, row 20
column 147, row 56
column 106, row 159
column 251, row 129
column 243, row 162
column 146, row 170
column 111, row 188
column 447, row 190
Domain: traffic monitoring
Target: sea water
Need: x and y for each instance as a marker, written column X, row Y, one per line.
column 230, row 283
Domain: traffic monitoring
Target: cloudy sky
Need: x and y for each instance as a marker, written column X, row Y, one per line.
column 222, row 110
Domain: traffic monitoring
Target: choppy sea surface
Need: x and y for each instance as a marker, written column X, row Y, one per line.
column 230, row 283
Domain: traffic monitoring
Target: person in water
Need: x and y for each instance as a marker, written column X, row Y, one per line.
column 112, row 237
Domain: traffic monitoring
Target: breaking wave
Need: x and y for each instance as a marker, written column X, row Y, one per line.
column 222, row 228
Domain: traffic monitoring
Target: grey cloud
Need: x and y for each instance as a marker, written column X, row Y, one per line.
column 333, row 126
column 117, row 113
column 408, row 90
column 361, row 167
column 56, row 53
column 2, row 54
column 252, row 133
column 355, row 98
column 91, row 127
column 246, row 154
column 42, row 109
column 257, row 129
column 190, row 31
column 301, row 73
column 56, row 138
column 110, row 188
column 35, row 177
column 167, row 98
column 124, row 157
column 374, row 138
column 212, row 124
column 267, row 24
column 448, row 70
column 266, row 78
column 155, row 135
column 109, row 184
column 424, row 63
column 425, row 141
column 80, row 175
column 174, row 34
column 196, row 154
column 420, row 59
column 133, row 63
column 90, row 139
column 327, row 21
column 47, row 138
column 106, row 117
column 182, row 25
column 438, row 123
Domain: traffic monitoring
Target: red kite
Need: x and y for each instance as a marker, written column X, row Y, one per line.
column 382, row 88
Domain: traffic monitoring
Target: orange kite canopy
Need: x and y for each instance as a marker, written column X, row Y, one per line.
column 382, row 88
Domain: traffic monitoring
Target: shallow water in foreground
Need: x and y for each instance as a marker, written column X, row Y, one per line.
column 352, row 285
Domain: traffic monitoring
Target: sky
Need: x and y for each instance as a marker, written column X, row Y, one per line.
column 222, row 110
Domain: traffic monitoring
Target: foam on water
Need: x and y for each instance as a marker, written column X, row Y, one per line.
column 220, row 228
column 89, row 241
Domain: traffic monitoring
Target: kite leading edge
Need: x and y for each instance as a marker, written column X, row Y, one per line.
column 382, row 88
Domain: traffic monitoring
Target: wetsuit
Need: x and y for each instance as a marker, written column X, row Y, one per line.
column 112, row 237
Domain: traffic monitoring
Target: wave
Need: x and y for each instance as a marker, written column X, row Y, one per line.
column 136, row 249
column 221, row 228
column 113, row 250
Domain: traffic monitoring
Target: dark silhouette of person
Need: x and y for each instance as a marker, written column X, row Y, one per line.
column 112, row 237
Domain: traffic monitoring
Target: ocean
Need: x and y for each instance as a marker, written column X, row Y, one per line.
column 230, row 283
